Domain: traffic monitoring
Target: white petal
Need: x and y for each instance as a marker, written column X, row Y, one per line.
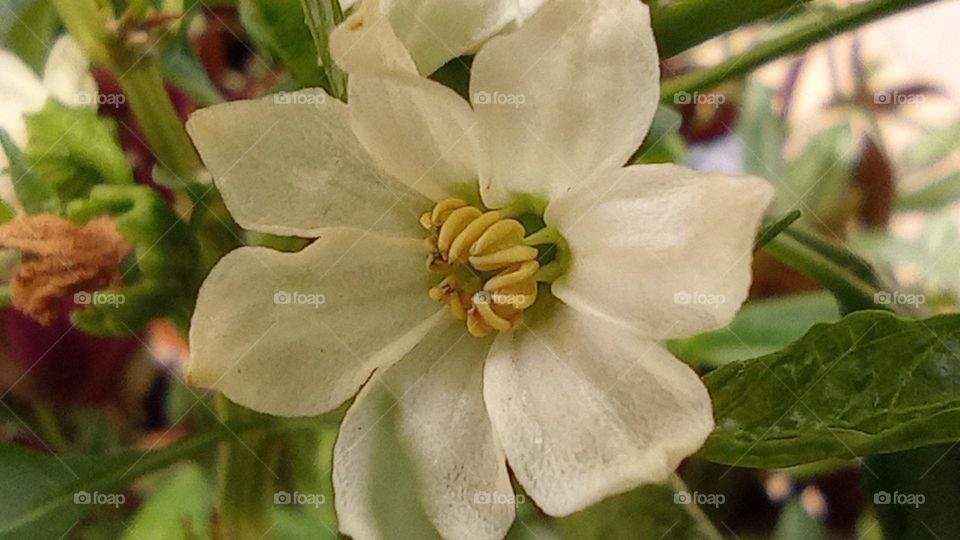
column 259, row 336
column 66, row 74
column 585, row 410
column 20, row 89
column 416, row 129
column 20, row 92
column 366, row 42
column 660, row 248
column 442, row 422
column 572, row 91
column 436, row 31
column 289, row 164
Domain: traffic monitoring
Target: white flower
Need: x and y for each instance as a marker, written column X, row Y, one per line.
column 580, row 398
column 66, row 77
column 437, row 31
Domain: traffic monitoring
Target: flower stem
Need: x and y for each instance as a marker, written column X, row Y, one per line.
column 139, row 76
column 322, row 16
column 821, row 28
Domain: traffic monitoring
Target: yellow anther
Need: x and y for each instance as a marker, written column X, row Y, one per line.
column 470, row 234
column 454, row 225
column 443, row 208
column 490, row 317
column 465, row 237
column 504, row 233
column 503, row 258
column 513, row 276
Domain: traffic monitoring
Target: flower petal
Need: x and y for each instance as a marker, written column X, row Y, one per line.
column 66, row 74
column 416, row 129
column 585, row 409
column 366, row 42
column 442, row 421
column 20, row 92
column 289, row 164
column 662, row 249
column 20, row 88
column 296, row 334
column 573, row 90
column 437, row 31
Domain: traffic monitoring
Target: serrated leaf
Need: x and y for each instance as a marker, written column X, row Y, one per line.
column 34, row 194
column 73, row 149
column 871, row 383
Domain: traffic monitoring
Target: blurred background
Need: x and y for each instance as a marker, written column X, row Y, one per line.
column 861, row 133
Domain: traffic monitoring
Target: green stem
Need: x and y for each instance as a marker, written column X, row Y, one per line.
column 140, row 78
column 853, row 292
column 821, row 28
column 704, row 525
column 681, row 25
column 246, row 478
column 322, row 16
column 157, row 117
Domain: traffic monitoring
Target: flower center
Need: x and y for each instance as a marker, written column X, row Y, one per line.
column 490, row 268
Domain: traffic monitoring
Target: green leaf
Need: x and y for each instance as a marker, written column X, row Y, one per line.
column 763, row 136
column 935, row 195
column 28, row 28
column 73, row 149
column 761, row 327
column 178, row 509
column 179, row 64
column 38, row 490
column 278, row 26
column 32, row 192
column 870, row 383
column 663, row 144
column 648, row 512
